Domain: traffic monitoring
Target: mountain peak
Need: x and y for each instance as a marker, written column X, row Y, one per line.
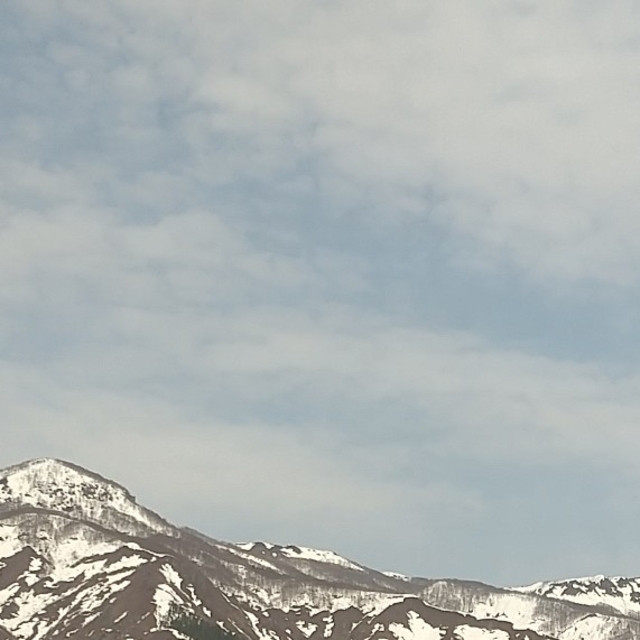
column 53, row 467
column 51, row 483
column 75, row 493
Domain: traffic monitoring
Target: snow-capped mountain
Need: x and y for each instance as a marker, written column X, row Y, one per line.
column 617, row 594
column 80, row 558
column 47, row 484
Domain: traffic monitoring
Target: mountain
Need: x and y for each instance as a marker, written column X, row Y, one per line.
column 619, row 595
column 79, row 558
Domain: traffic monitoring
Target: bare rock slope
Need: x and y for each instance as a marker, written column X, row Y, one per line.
column 80, row 558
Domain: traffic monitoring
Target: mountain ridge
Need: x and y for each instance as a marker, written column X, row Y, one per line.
column 67, row 488
column 79, row 557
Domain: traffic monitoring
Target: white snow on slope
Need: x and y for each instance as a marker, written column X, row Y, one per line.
column 415, row 629
column 167, row 594
column 249, row 546
column 397, row 576
column 317, row 555
column 97, row 579
column 466, row 632
column 10, row 543
column 591, row 627
column 255, row 561
column 302, row 553
column 619, row 593
column 58, row 486
column 517, row 609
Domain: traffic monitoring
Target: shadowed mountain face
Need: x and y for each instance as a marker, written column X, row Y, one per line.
column 80, row 558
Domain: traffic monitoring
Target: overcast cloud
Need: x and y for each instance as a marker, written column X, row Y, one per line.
column 359, row 275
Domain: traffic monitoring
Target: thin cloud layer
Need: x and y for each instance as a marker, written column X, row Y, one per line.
column 511, row 124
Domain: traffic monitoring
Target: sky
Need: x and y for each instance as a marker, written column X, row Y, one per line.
column 355, row 275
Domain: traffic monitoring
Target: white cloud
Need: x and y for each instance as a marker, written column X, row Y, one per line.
column 188, row 304
column 520, row 119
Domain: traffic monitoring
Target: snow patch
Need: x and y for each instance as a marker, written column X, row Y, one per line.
column 397, row 576
column 58, row 486
column 466, row 632
column 416, row 629
column 318, row 555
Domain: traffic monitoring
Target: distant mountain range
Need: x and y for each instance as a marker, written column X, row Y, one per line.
column 79, row 558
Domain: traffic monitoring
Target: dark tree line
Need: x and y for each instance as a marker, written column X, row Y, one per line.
column 195, row 627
